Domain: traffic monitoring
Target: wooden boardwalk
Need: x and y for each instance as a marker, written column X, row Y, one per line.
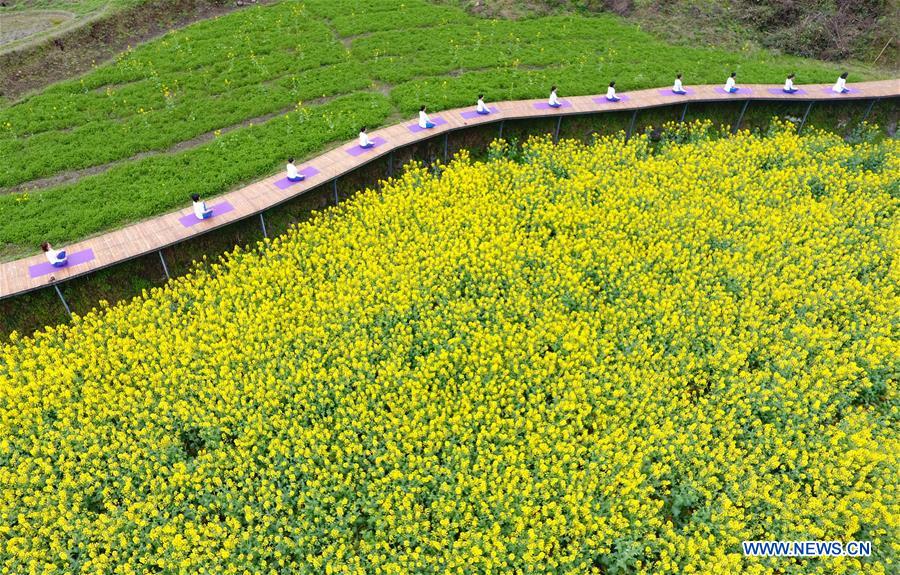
column 153, row 234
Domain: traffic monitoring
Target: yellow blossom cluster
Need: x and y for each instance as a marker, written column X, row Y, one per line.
column 608, row 358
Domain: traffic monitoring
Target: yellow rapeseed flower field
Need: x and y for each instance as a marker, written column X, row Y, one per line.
column 569, row 358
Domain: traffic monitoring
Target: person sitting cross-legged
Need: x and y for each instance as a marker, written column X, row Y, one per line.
column 56, row 257
column 677, row 88
column 480, row 107
column 554, row 99
column 840, row 87
column 292, row 174
column 731, row 83
column 200, row 209
column 364, row 141
column 789, row 85
column 611, row 93
column 424, row 120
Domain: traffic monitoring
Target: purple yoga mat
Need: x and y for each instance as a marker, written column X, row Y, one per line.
column 357, row 151
column 217, row 210
column 740, row 91
column 474, row 114
column 546, row 106
column 669, row 92
column 437, row 121
column 603, row 100
column 777, row 91
column 828, row 90
column 46, row 268
column 285, row 183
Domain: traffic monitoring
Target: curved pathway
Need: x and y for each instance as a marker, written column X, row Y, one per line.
column 153, row 234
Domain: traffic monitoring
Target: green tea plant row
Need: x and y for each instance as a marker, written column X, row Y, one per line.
column 232, row 69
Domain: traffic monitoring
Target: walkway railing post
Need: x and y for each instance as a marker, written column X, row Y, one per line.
column 869, row 109
column 165, row 267
column 737, row 125
column 805, row 116
column 262, row 221
column 334, row 188
column 683, row 112
column 631, row 126
column 62, row 299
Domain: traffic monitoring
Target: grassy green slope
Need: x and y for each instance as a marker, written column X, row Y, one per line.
column 222, row 72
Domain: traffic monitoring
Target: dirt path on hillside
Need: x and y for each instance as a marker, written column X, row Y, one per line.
column 77, row 51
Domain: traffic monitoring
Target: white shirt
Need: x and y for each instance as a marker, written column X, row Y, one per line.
column 729, row 84
column 610, row 93
column 839, row 85
column 788, row 84
column 363, row 139
column 481, row 107
column 553, row 99
column 200, row 209
column 423, row 120
column 292, row 171
column 53, row 256
column 677, row 87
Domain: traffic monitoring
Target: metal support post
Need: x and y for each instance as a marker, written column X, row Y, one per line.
column 683, row 112
column 631, row 126
column 446, row 134
column 737, row 125
column 556, row 134
column 869, row 109
column 165, row 267
column 262, row 221
column 805, row 116
column 62, row 299
column 334, row 188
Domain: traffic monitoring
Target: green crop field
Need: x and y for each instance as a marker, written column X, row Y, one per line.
column 224, row 101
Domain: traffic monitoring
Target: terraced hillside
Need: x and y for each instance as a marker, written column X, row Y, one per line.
column 226, row 100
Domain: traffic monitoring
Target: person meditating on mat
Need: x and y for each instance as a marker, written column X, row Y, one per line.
column 480, row 107
column 611, row 93
column 56, row 257
column 731, row 84
column 554, row 100
column 424, row 120
column 677, row 88
column 364, row 141
column 789, row 85
column 200, row 209
column 292, row 174
column 840, row 87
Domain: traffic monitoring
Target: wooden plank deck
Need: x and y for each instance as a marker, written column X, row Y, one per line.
column 155, row 233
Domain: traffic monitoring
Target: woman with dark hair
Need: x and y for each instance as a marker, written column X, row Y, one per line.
column 731, row 83
column 364, row 141
column 56, row 257
column 611, row 93
column 677, row 88
column 480, row 107
column 789, row 85
column 200, row 209
column 840, row 87
column 554, row 100
column 424, row 120
column 292, row 174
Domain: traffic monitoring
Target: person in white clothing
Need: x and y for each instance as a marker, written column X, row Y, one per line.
column 424, row 120
column 554, row 100
column 480, row 106
column 56, row 257
column 292, row 174
column 677, row 88
column 200, row 209
column 364, row 141
column 731, row 83
column 840, row 87
column 611, row 93
column 789, row 84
